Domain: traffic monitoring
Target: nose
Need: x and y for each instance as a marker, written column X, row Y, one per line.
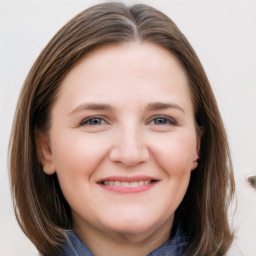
column 129, row 148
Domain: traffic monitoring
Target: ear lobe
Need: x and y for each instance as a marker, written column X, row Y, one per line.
column 194, row 165
column 44, row 153
column 49, row 169
column 196, row 157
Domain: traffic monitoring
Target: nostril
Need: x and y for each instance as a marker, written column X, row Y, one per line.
column 129, row 154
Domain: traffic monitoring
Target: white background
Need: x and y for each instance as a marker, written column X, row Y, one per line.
column 223, row 34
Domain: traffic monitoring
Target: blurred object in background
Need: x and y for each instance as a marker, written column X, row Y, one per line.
column 252, row 181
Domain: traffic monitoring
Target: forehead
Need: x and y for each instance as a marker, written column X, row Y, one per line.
column 149, row 55
column 141, row 69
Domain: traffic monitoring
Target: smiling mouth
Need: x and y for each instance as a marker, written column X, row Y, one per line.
column 126, row 184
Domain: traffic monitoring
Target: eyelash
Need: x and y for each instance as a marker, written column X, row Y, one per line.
column 88, row 120
column 165, row 121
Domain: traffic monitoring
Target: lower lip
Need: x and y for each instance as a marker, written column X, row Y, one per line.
column 128, row 190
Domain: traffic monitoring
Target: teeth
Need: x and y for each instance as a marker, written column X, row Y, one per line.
column 135, row 184
column 117, row 183
column 127, row 184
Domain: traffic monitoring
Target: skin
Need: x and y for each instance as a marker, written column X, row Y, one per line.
column 131, row 136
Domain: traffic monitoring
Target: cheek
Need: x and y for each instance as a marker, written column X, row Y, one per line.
column 76, row 154
column 175, row 154
column 76, row 157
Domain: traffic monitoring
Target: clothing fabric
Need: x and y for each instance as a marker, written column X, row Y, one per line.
column 175, row 246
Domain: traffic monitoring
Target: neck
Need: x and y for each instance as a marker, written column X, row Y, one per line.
column 130, row 244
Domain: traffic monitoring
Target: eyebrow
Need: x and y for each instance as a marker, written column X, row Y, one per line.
column 106, row 107
column 92, row 106
column 160, row 106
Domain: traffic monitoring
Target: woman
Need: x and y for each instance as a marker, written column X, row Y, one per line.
column 118, row 146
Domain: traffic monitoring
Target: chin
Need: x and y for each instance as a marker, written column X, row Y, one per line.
column 134, row 225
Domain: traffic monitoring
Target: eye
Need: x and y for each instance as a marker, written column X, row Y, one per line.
column 162, row 120
column 93, row 121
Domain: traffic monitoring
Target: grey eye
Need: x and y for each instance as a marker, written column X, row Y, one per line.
column 93, row 121
column 160, row 120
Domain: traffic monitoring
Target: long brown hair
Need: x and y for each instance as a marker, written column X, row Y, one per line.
column 40, row 207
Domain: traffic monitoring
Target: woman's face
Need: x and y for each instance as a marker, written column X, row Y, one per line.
column 123, row 140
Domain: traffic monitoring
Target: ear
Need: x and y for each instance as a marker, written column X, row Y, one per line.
column 44, row 153
column 200, row 132
column 195, row 161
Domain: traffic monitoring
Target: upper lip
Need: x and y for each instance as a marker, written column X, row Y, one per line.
column 127, row 178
